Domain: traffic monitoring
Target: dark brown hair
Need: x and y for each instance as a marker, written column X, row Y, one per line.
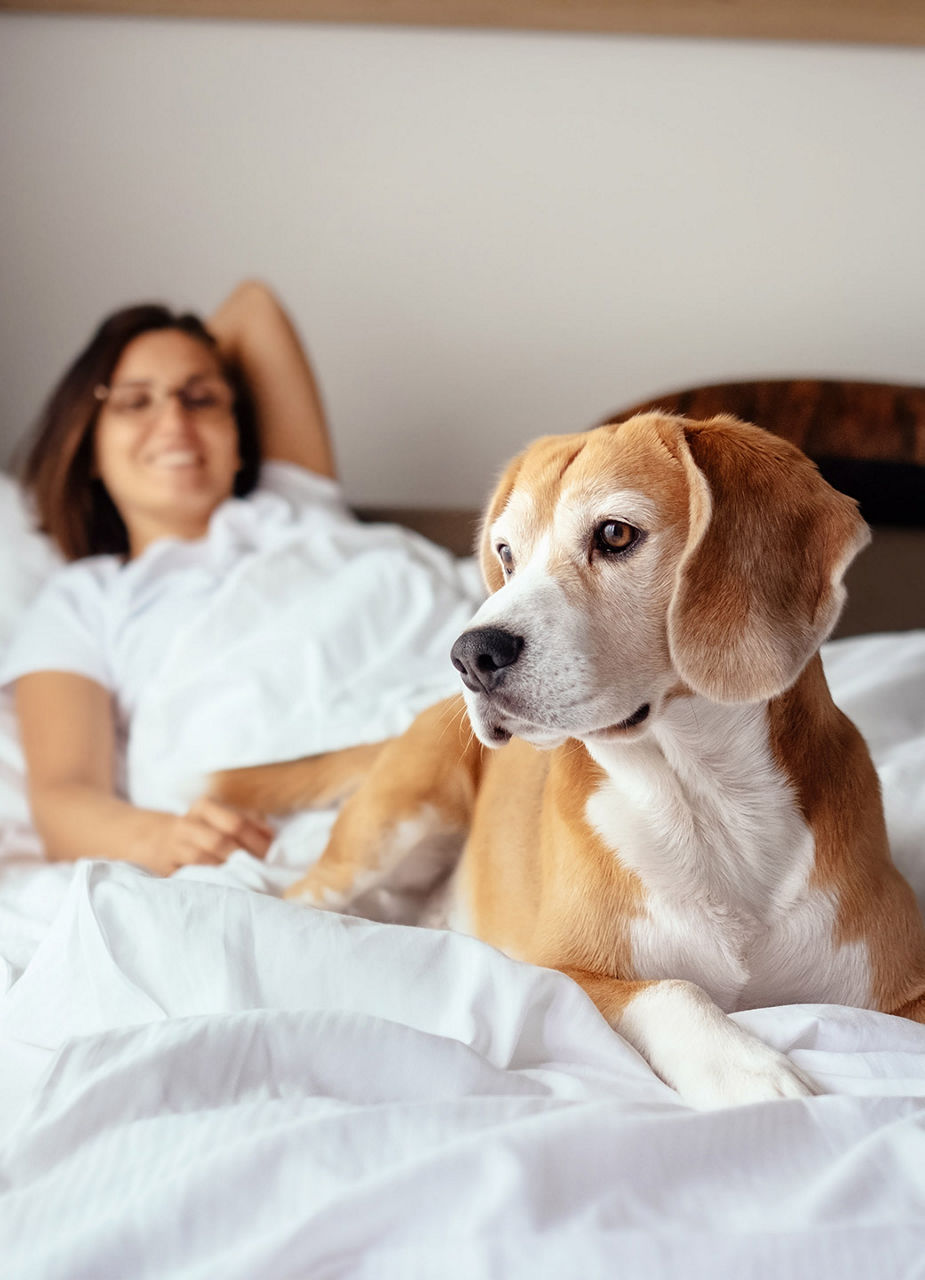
column 72, row 504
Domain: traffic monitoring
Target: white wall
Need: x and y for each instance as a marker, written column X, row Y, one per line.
column 483, row 236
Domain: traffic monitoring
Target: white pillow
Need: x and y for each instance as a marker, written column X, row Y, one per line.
column 27, row 558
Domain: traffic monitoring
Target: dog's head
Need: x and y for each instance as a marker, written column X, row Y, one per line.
column 645, row 557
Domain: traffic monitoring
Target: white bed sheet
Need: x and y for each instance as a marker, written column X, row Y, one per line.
column 238, row 1087
column 198, row 1079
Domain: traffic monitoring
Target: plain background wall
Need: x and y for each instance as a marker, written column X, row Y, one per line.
column 482, row 236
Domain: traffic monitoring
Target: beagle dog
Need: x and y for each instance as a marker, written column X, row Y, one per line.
column 657, row 795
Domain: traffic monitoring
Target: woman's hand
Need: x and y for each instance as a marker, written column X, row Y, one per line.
column 205, row 835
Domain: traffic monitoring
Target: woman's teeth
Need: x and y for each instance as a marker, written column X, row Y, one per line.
column 176, row 458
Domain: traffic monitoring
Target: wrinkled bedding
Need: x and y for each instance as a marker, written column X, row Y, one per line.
column 198, row 1079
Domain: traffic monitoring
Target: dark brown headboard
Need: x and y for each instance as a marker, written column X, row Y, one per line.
column 867, row 438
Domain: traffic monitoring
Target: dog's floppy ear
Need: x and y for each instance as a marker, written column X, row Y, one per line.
column 488, row 559
column 760, row 582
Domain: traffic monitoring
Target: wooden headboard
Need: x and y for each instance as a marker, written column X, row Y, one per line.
column 867, row 438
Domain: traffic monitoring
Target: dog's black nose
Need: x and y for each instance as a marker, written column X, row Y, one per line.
column 482, row 654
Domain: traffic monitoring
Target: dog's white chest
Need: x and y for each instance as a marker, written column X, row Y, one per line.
column 725, row 859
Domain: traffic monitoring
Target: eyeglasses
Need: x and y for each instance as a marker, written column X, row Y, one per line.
column 204, row 398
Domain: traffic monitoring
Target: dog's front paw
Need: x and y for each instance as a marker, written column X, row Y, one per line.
column 331, row 885
column 742, row 1070
column 705, row 1056
column 313, row 891
column 298, row 893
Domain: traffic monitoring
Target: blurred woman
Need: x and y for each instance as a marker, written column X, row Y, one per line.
column 152, row 468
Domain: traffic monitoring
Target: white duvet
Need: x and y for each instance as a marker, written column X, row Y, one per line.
column 198, row 1079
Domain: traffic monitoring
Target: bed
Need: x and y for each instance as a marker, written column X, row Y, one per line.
column 199, row 1079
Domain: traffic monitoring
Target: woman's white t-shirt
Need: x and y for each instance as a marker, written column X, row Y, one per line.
column 111, row 620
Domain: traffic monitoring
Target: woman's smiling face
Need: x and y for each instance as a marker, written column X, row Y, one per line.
column 166, row 441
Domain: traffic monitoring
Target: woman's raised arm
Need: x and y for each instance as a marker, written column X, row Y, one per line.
column 254, row 332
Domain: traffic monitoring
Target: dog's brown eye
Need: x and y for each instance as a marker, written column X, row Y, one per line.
column 506, row 556
column 616, row 535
